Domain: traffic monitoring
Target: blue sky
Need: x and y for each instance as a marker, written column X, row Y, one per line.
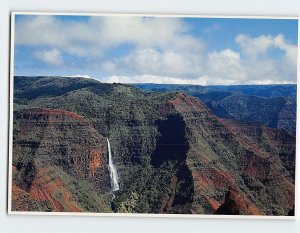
column 159, row 50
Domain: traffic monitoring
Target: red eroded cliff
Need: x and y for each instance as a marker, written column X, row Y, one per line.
column 245, row 159
column 50, row 143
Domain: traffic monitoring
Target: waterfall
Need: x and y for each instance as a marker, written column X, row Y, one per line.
column 112, row 170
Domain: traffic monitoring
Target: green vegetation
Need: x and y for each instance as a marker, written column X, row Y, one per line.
column 171, row 157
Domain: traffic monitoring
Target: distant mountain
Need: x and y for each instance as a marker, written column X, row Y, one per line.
column 172, row 154
column 275, row 90
column 271, row 105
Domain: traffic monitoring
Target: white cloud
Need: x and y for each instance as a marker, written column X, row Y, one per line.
column 203, row 80
column 79, row 76
column 289, row 49
column 252, row 47
column 146, row 78
column 260, row 45
column 51, row 57
column 151, row 61
column 225, row 66
column 259, row 64
column 252, row 65
column 75, row 38
column 95, row 36
column 146, row 32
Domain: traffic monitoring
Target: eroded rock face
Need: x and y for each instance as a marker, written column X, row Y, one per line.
column 272, row 144
column 245, row 157
column 237, row 204
column 49, row 142
column 21, row 200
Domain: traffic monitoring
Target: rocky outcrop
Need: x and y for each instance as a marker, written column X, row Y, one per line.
column 236, row 204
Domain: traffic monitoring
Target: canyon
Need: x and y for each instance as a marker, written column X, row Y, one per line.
column 172, row 152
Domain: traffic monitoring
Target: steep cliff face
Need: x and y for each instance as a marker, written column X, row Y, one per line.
column 270, row 143
column 51, row 147
column 172, row 154
column 249, row 158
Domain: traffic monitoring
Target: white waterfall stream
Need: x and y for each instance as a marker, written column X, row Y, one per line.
column 112, row 171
